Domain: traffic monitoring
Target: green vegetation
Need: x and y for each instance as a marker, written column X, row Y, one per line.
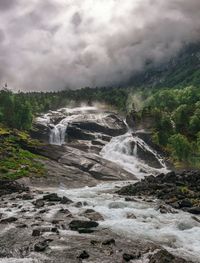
column 15, row 111
column 175, row 115
column 15, row 162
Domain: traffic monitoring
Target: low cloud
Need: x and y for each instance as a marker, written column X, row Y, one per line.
column 54, row 44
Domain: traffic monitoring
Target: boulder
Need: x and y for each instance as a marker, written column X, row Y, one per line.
column 65, row 200
column 8, row 220
column 83, row 255
column 164, row 209
column 53, row 197
column 92, row 215
column 185, row 203
column 27, row 196
column 83, row 226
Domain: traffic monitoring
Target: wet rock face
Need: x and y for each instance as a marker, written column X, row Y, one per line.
column 145, row 155
column 75, row 167
column 82, row 124
column 109, row 124
column 180, row 190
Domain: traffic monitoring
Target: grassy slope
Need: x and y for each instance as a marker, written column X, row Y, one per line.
column 15, row 162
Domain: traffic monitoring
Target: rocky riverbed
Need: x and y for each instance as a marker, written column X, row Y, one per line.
column 40, row 226
column 75, row 213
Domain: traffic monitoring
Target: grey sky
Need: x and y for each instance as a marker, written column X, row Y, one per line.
column 53, row 44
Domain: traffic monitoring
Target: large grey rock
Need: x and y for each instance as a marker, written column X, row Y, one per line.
column 78, row 225
column 40, row 132
column 109, row 124
column 87, row 125
column 77, row 168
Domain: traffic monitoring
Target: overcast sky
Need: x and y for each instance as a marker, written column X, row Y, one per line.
column 53, row 44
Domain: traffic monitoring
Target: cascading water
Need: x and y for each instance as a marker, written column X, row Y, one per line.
column 57, row 134
column 178, row 232
column 121, row 151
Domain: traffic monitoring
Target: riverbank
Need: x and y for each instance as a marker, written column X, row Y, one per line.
column 180, row 190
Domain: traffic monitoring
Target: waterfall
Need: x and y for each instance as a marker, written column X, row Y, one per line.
column 57, row 134
column 123, row 150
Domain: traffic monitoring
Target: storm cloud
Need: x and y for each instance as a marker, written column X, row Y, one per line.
column 54, row 44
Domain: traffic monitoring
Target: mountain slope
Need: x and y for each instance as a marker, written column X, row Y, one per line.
column 181, row 70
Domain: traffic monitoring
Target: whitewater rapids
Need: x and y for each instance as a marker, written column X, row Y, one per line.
column 178, row 233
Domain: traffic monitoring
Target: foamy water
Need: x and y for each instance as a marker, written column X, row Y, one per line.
column 178, row 233
column 119, row 150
